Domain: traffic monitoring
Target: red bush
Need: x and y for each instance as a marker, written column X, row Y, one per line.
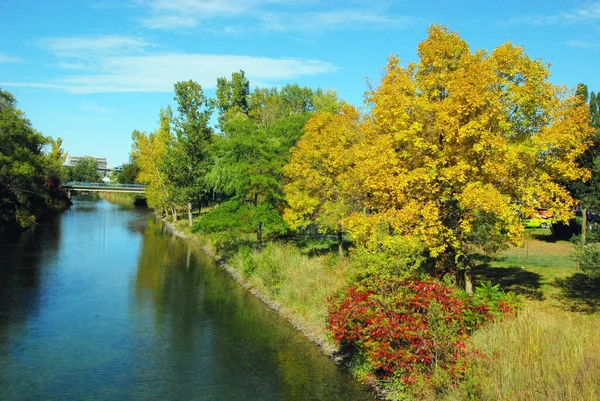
column 403, row 329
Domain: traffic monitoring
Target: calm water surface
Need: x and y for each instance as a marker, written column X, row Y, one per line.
column 103, row 304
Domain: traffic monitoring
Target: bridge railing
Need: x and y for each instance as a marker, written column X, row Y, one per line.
column 102, row 184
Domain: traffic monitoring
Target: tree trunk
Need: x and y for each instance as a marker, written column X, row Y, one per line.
column 259, row 243
column 190, row 213
column 468, row 281
column 463, row 272
column 583, row 226
column 340, row 241
column 174, row 211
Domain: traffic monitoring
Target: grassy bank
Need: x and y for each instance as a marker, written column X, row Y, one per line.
column 297, row 276
column 547, row 352
column 122, row 197
column 543, row 354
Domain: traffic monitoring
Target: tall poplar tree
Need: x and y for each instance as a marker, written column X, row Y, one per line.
column 188, row 158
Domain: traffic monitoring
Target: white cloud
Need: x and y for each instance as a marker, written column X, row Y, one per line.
column 119, row 64
column 170, row 22
column 584, row 44
column 234, row 16
column 589, row 12
column 94, row 108
column 4, row 59
column 344, row 19
column 79, row 47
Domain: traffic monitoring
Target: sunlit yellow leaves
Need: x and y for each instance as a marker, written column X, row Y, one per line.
column 321, row 189
column 457, row 148
column 462, row 139
column 149, row 150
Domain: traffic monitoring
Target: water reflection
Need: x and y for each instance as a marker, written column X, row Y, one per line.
column 102, row 304
column 21, row 271
column 216, row 327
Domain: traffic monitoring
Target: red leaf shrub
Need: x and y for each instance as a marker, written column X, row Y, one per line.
column 405, row 329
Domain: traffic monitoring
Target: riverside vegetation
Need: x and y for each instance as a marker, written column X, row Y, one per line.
column 370, row 226
column 30, row 170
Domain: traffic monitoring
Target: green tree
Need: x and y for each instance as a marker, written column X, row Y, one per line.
column 244, row 169
column 86, row 170
column 27, row 188
column 128, row 174
column 188, row 155
column 232, row 94
column 267, row 105
column 588, row 192
column 249, row 160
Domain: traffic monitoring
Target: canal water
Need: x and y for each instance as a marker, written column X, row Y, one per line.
column 102, row 303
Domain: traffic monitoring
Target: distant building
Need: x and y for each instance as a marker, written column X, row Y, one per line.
column 101, row 164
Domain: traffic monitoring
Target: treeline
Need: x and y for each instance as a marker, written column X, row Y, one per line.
column 30, row 170
column 451, row 152
column 447, row 157
column 187, row 164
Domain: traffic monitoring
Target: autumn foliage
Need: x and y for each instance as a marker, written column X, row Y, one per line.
column 454, row 148
column 406, row 329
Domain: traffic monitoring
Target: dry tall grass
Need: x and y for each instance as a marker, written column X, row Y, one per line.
column 295, row 280
column 542, row 354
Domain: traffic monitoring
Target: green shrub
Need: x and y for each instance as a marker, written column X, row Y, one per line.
column 391, row 257
column 564, row 231
column 589, row 261
column 228, row 216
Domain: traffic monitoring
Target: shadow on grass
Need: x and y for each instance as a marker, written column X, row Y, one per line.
column 544, row 237
column 512, row 278
column 317, row 246
column 580, row 293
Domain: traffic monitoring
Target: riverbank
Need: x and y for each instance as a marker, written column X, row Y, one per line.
column 308, row 329
column 18, row 226
column 133, row 199
column 539, row 325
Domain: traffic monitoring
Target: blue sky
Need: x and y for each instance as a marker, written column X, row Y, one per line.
column 92, row 71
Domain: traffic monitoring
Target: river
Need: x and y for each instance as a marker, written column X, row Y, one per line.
column 102, row 303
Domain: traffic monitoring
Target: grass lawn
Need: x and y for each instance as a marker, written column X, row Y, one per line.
column 543, row 269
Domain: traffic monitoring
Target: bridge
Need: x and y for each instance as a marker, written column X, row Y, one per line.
column 103, row 187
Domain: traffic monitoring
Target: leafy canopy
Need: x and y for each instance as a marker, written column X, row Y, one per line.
column 460, row 143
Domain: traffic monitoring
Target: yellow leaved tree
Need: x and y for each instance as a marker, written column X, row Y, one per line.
column 149, row 151
column 461, row 145
column 320, row 190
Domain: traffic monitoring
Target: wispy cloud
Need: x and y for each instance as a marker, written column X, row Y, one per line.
column 589, row 12
column 94, row 108
column 584, row 44
column 81, row 47
column 269, row 15
column 5, row 59
column 109, row 64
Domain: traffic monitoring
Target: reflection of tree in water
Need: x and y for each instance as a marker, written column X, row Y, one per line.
column 215, row 327
column 23, row 259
